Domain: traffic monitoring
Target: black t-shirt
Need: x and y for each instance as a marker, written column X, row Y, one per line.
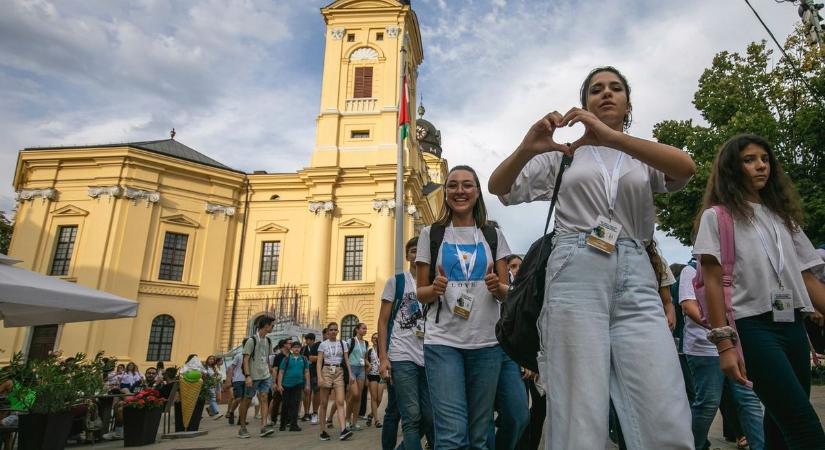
column 276, row 363
column 166, row 389
column 313, row 351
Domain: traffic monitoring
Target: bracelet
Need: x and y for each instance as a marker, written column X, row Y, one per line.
column 724, row 350
column 717, row 335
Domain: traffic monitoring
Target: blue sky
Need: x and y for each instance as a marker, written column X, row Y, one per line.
column 240, row 80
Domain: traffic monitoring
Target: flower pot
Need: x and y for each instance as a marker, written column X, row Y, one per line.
column 194, row 422
column 140, row 426
column 45, row 431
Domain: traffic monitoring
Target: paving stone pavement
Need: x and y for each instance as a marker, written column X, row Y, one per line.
column 223, row 436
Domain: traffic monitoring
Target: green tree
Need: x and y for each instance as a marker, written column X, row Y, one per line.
column 6, row 229
column 753, row 93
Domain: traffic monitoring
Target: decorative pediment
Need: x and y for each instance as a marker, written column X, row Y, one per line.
column 354, row 223
column 180, row 219
column 364, row 54
column 70, row 210
column 271, row 228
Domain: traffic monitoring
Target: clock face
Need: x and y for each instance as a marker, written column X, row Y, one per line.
column 420, row 132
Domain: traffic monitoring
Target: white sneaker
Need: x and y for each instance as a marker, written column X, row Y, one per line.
column 258, row 416
column 314, row 420
column 114, row 435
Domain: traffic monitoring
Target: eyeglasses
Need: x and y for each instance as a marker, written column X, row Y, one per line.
column 468, row 186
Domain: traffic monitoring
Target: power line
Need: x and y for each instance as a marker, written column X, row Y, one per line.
column 796, row 70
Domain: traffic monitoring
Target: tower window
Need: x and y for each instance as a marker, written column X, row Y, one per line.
column 360, row 134
column 353, row 257
column 379, row 36
column 66, row 236
column 363, row 82
column 350, row 37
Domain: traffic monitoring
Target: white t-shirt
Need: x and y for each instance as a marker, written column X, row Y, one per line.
column 451, row 330
column 582, row 195
column 237, row 368
column 753, row 276
column 694, row 340
column 404, row 344
column 667, row 278
column 333, row 351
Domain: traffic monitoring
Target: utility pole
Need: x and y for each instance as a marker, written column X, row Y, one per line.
column 811, row 20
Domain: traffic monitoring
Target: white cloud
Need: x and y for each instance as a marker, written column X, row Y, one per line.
column 240, row 79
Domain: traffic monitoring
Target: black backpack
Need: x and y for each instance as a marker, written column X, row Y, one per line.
column 517, row 330
column 437, row 237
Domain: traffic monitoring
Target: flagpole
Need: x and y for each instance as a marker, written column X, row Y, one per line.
column 399, row 172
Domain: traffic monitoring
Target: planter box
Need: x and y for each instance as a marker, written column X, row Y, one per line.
column 45, row 431
column 194, row 422
column 140, row 426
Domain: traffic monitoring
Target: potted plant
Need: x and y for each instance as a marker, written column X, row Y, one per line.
column 141, row 417
column 55, row 391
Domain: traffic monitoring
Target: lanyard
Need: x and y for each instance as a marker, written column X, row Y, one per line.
column 611, row 180
column 777, row 266
column 467, row 268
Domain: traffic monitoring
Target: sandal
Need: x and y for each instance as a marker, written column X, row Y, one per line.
column 378, row 424
column 369, row 420
column 742, row 443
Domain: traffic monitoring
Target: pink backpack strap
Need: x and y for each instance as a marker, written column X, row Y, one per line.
column 727, row 251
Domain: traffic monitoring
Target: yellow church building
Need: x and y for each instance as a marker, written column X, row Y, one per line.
column 205, row 248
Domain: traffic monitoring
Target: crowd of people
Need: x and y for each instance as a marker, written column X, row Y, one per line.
column 608, row 362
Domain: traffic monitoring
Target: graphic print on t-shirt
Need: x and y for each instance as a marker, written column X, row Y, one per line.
column 410, row 311
column 452, row 265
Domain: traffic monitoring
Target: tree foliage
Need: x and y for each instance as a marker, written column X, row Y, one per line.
column 753, row 93
column 6, row 229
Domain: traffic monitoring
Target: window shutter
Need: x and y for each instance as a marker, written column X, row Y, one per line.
column 363, row 82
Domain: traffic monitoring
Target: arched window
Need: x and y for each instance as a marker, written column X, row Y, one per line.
column 160, row 338
column 348, row 324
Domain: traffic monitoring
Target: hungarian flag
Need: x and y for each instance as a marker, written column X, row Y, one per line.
column 404, row 112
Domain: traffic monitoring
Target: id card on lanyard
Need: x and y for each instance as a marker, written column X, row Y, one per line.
column 464, row 304
column 781, row 298
column 606, row 231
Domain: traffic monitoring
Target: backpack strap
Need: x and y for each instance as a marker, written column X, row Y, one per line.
column 491, row 236
column 436, row 238
column 727, row 251
column 400, row 282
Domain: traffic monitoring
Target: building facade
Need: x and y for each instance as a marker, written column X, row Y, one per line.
column 204, row 248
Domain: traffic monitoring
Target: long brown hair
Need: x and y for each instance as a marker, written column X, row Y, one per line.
column 726, row 184
column 656, row 261
column 479, row 210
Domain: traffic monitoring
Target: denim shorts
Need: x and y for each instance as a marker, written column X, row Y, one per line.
column 359, row 372
column 259, row 386
column 238, row 389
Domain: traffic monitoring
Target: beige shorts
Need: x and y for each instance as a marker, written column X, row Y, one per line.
column 331, row 376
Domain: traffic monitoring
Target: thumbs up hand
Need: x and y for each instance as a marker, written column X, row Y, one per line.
column 491, row 280
column 440, row 282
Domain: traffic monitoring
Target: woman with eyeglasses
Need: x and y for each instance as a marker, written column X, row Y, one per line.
column 460, row 274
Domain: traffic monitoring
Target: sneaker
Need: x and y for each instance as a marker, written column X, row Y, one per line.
column 324, row 436
column 243, row 434
column 356, row 427
column 217, row 416
column 267, row 430
column 305, row 418
column 294, row 428
column 314, row 419
column 114, row 435
column 258, row 416
column 231, row 418
column 345, row 434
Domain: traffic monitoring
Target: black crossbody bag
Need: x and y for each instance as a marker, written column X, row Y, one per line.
column 517, row 328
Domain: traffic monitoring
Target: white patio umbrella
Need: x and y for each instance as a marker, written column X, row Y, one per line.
column 29, row 298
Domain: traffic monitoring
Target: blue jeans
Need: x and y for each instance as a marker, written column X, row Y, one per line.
column 604, row 337
column 511, row 405
column 413, row 400
column 389, row 434
column 462, row 392
column 708, row 381
column 213, row 401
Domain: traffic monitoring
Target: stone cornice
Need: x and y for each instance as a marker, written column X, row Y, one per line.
column 155, row 288
column 136, row 195
column 30, row 194
column 111, row 191
column 227, row 211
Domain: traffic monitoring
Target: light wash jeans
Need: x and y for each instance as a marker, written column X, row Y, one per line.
column 413, row 402
column 605, row 336
column 511, row 406
column 708, row 381
column 213, row 401
column 462, row 392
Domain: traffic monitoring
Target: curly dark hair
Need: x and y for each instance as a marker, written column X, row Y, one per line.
column 726, row 184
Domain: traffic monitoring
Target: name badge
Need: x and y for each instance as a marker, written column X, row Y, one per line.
column 332, row 369
column 464, row 306
column 604, row 235
column 419, row 331
column 782, row 305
